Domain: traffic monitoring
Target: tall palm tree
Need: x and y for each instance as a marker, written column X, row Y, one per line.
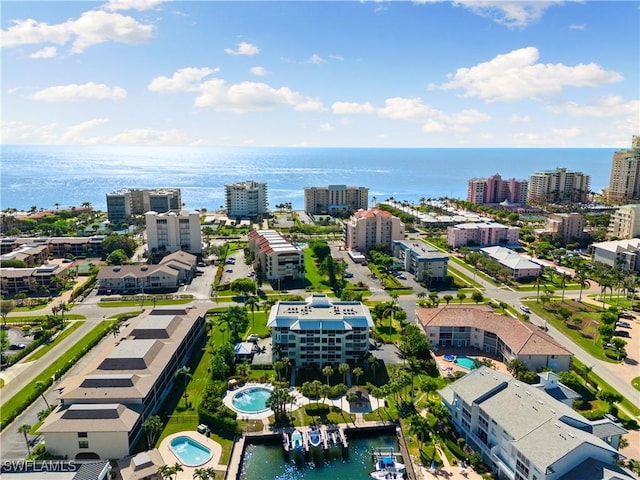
column 204, row 473
column 358, row 372
column 344, row 368
column 327, row 372
column 24, row 430
column 40, row 386
column 254, row 304
column 184, row 373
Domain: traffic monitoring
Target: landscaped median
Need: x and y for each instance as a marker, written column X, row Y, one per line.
column 15, row 405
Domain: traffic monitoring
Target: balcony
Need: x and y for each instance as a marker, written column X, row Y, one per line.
column 502, row 466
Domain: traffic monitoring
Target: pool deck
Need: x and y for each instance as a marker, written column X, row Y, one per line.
column 448, row 368
column 170, row 458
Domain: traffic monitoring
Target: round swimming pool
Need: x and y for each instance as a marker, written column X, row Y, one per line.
column 251, row 400
column 189, row 452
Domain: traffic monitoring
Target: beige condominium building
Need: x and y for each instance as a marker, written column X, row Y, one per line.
column 558, row 186
column 367, row 228
column 566, row 227
column 624, row 182
column 335, row 199
column 102, row 409
column 625, row 222
column 173, row 231
column 246, row 199
column 276, row 258
column 319, row 331
column 121, row 204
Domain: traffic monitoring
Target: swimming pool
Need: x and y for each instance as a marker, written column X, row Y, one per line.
column 251, row 400
column 189, row 452
column 449, row 358
column 466, row 362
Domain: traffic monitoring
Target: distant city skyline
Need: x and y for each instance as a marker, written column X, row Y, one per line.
column 425, row 73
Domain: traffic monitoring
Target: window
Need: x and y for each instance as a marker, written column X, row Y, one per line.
column 82, row 435
column 83, row 444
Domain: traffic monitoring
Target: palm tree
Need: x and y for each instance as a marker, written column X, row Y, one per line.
column 152, row 428
column 254, row 304
column 344, row 368
column 420, row 428
column 185, row 373
column 41, row 387
column 205, row 473
column 24, row 430
column 327, row 372
column 358, row 372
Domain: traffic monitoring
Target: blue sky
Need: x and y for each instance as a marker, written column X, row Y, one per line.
column 332, row 73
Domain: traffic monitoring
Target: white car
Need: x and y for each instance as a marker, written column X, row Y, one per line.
column 525, row 309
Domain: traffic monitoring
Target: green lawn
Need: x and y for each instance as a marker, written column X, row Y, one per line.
column 45, row 348
column 40, row 318
column 147, row 303
column 636, row 383
column 313, row 279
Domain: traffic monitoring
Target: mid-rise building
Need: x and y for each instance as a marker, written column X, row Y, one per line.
column 623, row 254
column 523, row 432
column 625, row 222
column 494, row 190
column 367, row 228
column 559, row 186
column 276, row 258
column 246, row 199
column 624, row 182
column 102, row 409
column 566, row 227
column 425, row 263
column 122, row 204
column 319, row 331
column 174, row 230
column 334, row 199
column 482, row 234
column 519, row 266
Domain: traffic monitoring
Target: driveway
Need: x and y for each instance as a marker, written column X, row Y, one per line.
column 388, row 353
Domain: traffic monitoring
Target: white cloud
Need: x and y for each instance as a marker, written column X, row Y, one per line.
column 246, row 96
column 258, row 71
column 243, row 48
column 76, row 133
column 148, row 136
column 114, row 5
column 84, row 92
column 611, row 106
column 46, row 52
column 516, row 76
column 566, row 132
column 309, row 105
column 184, row 80
column 91, row 28
column 520, row 118
column 317, row 59
column 327, row 127
column 347, row 108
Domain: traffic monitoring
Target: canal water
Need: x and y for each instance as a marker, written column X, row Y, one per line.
column 262, row 462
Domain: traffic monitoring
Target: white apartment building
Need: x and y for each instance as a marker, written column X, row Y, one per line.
column 425, row 263
column 121, row 204
column 246, row 199
column 173, row 231
column 518, row 265
column 624, row 182
column 320, row 331
column 625, row 222
column 102, row 409
column 276, row 258
column 333, row 199
column 624, row 253
column 524, row 433
column 367, row 228
column 558, row 186
column 484, row 234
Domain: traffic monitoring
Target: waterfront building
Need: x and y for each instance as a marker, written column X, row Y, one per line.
column 503, row 336
column 482, row 234
column 494, row 190
column 102, row 409
column 319, row 331
column 519, row 266
column 558, row 186
column 523, row 432
column 625, row 222
column 367, row 228
column 173, row 231
column 122, row 204
column 565, row 227
column 618, row 253
column 246, row 199
column 425, row 263
column 275, row 257
column 334, row 199
column 624, row 182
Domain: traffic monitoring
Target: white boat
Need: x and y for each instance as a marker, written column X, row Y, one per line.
column 314, row 437
column 296, row 440
column 387, row 466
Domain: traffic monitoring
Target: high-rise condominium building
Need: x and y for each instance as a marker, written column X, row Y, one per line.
column 624, row 183
column 558, row 186
column 173, row 231
column 246, row 199
column 496, row 190
column 625, row 222
column 334, row 199
column 121, row 204
column 367, row 228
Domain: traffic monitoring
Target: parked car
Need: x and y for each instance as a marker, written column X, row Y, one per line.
column 626, row 315
column 621, row 333
column 228, row 270
column 202, row 264
column 525, row 309
column 623, row 324
column 347, row 275
column 17, row 346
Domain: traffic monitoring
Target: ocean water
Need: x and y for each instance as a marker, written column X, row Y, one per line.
column 46, row 175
